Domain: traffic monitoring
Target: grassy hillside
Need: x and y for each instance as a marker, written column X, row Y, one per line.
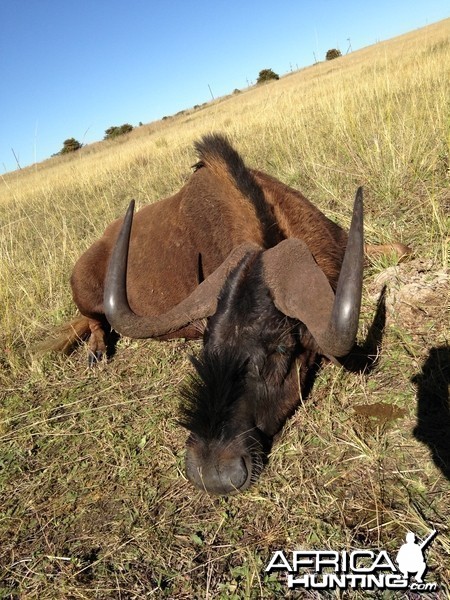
column 93, row 498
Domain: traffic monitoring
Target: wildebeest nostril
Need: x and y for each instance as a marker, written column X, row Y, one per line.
column 226, row 478
column 219, row 478
column 237, row 474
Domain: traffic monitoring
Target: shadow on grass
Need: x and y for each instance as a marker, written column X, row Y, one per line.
column 433, row 407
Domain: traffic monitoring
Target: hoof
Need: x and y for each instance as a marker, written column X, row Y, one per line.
column 94, row 358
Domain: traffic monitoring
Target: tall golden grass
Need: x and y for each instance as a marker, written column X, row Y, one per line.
column 92, row 462
column 378, row 117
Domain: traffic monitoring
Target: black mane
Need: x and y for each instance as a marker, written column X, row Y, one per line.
column 218, row 146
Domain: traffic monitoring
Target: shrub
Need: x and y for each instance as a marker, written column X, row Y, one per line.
column 114, row 131
column 333, row 53
column 266, row 75
column 70, row 145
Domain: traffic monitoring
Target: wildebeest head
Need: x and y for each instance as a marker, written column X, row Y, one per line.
column 270, row 313
column 245, row 383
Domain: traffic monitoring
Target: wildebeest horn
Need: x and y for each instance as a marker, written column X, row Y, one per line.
column 301, row 290
column 200, row 304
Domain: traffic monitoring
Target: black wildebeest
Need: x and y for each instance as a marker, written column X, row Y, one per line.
column 279, row 283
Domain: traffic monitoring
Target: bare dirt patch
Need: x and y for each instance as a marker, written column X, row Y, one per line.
column 417, row 299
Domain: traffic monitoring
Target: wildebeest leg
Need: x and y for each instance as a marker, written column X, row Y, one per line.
column 97, row 342
column 100, row 343
column 374, row 250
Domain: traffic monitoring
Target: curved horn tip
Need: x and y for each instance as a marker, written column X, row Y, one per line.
column 114, row 293
column 340, row 335
column 358, row 205
column 130, row 208
column 357, row 215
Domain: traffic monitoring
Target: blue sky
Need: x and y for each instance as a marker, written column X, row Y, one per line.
column 73, row 68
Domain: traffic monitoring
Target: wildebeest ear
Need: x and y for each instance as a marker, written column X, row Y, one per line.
column 301, row 290
column 298, row 286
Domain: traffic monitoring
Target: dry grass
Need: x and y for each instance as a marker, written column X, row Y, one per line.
column 94, row 503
